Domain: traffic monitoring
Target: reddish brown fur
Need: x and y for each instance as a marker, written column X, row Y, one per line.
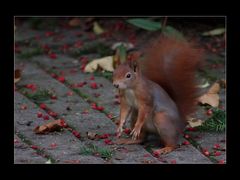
column 172, row 64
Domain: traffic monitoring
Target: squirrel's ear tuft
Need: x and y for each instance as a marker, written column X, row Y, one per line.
column 133, row 65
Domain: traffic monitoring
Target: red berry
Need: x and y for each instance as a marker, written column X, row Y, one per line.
column 46, row 117
column 53, row 97
column 103, row 136
column 156, row 153
column 217, row 153
column 173, row 161
column 221, row 162
column 185, row 142
column 216, row 146
column 110, row 116
column 61, row 79
column 127, row 131
column 63, row 123
column 209, row 112
column 43, row 106
column 191, row 129
column 23, row 107
column 186, row 136
column 108, row 141
column 93, row 85
column 206, row 152
column 39, row 114
column 51, row 113
column 81, row 84
column 34, row 147
column 53, row 145
column 69, row 93
column 100, row 108
column 53, row 56
column 75, row 133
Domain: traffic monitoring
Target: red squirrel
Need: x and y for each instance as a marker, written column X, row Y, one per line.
column 158, row 92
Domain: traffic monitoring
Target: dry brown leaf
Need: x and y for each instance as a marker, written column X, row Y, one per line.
column 17, row 75
column 211, row 97
column 193, row 122
column 105, row 63
column 222, row 83
column 74, row 22
column 91, row 135
column 49, row 127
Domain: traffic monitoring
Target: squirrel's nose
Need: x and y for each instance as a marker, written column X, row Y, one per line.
column 116, row 85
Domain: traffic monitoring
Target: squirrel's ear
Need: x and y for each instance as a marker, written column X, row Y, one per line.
column 133, row 65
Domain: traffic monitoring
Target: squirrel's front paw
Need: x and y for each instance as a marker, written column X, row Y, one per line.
column 119, row 131
column 135, row 133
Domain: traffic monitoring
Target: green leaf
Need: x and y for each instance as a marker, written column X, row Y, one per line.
column 145, row 24
column 172, row 32
column 214, row 32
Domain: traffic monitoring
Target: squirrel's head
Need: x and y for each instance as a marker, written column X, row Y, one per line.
column 124, row 76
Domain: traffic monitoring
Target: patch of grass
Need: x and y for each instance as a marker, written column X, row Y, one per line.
column 30, row 53
column 39, row 96
column 95, row 150
column 216, row 123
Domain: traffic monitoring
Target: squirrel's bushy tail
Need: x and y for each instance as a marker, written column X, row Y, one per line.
column 172, row 64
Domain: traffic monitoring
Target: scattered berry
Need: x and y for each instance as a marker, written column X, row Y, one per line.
column 43, row 106
column 39, row 114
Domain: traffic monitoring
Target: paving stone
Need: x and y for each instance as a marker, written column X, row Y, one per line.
column 24, row 154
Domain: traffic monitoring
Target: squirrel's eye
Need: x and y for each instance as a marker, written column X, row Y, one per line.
column 128, row 75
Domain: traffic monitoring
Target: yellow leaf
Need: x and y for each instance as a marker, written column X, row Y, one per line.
column 105, row 63
column 193, row 122
column 211, row 97
column 97, row 28
column 17, row 75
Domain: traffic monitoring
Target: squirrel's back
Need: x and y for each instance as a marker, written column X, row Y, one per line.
column 172, row 64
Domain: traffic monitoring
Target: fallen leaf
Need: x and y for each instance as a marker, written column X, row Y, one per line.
column 17, row 75
column 126, row 45
column 49, row 127
column 106, row 63
column 48, row 161
column 193, row 122
column 97, row 28
column 211, row 97
column 74, row 22
column 206, row 84
column 222, row 83
column 91, row 135
column 214, row 32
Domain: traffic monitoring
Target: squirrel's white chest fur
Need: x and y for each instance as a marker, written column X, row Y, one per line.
column 131, row 98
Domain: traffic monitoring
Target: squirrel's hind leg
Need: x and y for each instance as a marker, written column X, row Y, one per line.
column 167, row 132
